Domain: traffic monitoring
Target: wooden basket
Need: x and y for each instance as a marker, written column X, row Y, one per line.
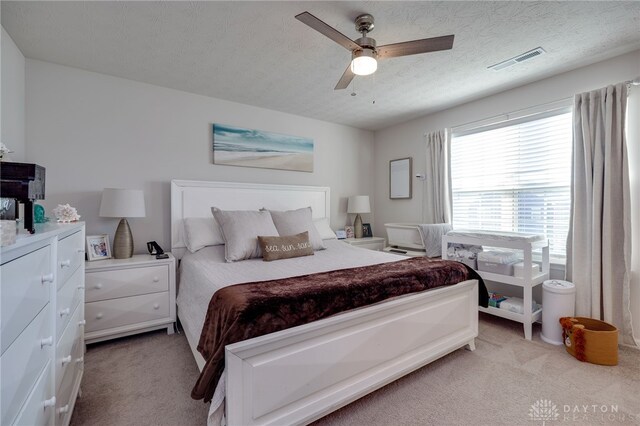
column 590, row 340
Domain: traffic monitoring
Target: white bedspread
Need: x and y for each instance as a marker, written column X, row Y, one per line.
column 204, row 272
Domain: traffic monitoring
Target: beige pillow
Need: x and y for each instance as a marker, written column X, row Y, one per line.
column 200, row 232
column 240, row 229
column 292, row 222
column 275, row 248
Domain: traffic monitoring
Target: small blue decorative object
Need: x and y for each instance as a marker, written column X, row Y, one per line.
column 38, row 214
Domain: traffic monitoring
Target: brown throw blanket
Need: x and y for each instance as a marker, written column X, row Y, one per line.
column 244, row 311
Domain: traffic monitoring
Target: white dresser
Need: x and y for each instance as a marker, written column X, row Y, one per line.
column 42, row 325
column 129, row 296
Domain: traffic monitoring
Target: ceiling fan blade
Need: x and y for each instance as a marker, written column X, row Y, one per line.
column 346, row 78
column 416, row 46
column 323, row 28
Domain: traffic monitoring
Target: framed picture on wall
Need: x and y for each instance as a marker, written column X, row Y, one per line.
column 98, row 247
column 366, row 230
column 349, row 231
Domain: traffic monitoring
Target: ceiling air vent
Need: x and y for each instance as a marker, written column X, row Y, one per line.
column 517, row 59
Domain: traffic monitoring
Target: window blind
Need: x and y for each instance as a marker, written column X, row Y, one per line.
column 515, row 176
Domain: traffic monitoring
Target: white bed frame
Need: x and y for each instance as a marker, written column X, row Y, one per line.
column 298, row 375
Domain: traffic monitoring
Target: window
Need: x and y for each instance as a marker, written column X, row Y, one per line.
column 515, row 176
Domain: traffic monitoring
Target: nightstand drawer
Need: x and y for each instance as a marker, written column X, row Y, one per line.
column 70, row 256
column 126, row 311
column 25, row 290
column 104, row 285
column 69, row 297
column 371, row 246
column 23, row 362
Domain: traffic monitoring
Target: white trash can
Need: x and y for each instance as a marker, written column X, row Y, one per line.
column 558, row 300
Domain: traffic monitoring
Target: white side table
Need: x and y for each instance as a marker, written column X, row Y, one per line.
column 129, row 296
column 371, row 243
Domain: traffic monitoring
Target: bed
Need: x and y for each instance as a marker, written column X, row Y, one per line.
column 300, row 374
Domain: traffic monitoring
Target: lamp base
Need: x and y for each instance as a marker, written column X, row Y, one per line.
column 357, row 226
column 123, row 241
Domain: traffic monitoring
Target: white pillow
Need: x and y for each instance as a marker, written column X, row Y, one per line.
column 324, row 229
column 200, row 232
column 240, row 229
column 293, row 222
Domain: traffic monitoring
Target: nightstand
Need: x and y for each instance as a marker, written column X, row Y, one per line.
column 129, row 296
column 371, row 243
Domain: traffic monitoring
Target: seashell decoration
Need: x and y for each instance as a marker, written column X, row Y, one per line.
column 65, row 213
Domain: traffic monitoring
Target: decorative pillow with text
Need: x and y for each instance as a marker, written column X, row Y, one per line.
column 275, row 248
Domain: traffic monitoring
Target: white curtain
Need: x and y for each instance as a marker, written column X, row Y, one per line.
column 598, row 244
column 437, row 196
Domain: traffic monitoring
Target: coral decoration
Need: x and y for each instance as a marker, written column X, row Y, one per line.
column 66, row 213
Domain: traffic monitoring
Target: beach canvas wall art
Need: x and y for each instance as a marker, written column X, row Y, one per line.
column 235, row 146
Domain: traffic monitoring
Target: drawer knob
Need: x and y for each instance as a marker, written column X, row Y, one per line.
column 156, row 279
column 82, row 323
column 48, row 341
column 66, row 360
column 98, row 286
column 80, row 287
column 65, row 263
column 64, row 409
column 156, row 306
column 51, row 402
column 65, row 311
column 99, row 315
column 79, row 360
column 48, row 278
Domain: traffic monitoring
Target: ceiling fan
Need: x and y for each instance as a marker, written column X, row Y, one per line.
column 364, row 52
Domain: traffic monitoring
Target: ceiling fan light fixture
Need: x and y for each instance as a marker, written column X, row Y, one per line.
column 364, row 62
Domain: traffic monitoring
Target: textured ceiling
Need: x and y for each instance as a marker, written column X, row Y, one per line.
column 256, row 53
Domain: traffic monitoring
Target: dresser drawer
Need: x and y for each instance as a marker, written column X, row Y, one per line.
column 104, row 285
column 66, row 351
column 22, row 363
column 69, row 296
column 25, row 291
column 40, row 406
column 65, row 397
column 126, row 311
column 70, row 256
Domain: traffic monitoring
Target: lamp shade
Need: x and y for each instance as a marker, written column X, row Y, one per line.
column 122, row 203
column 359, row 204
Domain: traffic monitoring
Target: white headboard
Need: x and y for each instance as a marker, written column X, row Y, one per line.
column 195, row 198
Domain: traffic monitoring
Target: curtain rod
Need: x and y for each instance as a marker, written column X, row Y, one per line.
column 634, row 82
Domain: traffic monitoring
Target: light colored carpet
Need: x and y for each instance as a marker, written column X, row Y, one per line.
column 146, row 380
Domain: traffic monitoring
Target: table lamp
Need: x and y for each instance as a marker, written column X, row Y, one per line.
column 122, row 203
column 358, row 204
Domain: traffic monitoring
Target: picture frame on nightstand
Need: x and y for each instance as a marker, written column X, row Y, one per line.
column 349, row 231
column 366, row 230
column 98, row 247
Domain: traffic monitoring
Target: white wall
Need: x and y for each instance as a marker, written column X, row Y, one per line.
column 93, row 131
column 12, row 119
column 633, row 146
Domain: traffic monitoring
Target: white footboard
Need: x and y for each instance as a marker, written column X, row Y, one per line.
column 298, row 375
